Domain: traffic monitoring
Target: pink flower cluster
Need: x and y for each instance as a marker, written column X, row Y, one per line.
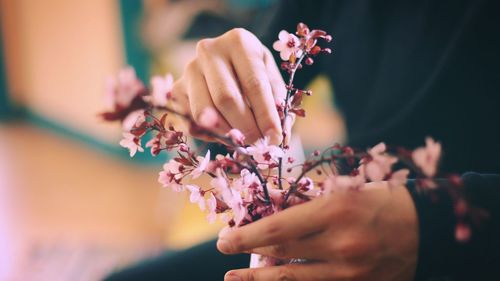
column 248, row 183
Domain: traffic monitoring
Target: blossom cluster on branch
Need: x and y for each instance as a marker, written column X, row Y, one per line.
column 248, row 183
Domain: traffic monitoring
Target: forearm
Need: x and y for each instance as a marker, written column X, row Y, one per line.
column 440, row 254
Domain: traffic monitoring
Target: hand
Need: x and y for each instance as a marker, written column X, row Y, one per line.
column 235, row 74
column 366, row 235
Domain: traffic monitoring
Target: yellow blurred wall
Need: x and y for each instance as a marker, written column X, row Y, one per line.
column 58, row 53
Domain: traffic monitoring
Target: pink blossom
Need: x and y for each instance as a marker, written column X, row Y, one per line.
column 212, row 208
column 209, row 118
column 287, row 45
column 155, row 145
column 133, row 119
column 219, row 183
column 202, row 165
column 399, row 178
column 305, row 184
column 264, row 153
column 233, row 200
column 131, row 142
column 246, row 180
column 379, row 166
column 236, row 136
column 196, row 196
column 171, row 175
column 427, row 158
column 120, row 92
column 161, row 89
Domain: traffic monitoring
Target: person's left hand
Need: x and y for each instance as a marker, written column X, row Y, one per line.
column 366, row 235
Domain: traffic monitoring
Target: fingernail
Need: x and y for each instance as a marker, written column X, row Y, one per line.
column 224, row 246
column 232, row 277
column 224, row 231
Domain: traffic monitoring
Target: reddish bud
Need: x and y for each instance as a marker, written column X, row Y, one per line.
column 462, row 232
column 460, row 207
column 315, row 50
column 309, row 61
column 302, row 29
column 326, row 50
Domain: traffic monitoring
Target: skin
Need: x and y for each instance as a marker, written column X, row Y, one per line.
column 381, row 245
column 235, row 74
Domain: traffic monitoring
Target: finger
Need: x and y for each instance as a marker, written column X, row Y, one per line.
column 226, row 94
column 180, row 99
column 275, row 77
column 285, row 225
column 313, row 247
column 256, row 87
column 289, row 272
column 200, row 100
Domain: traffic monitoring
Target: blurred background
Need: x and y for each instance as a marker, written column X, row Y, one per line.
column 73, row 205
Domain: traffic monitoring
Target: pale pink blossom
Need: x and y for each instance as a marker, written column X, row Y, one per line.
column 171, row 175
column 219, row 183
column 202, row 165
column 427, row 158
column 161, row 89
column 209, row 118
column 132, row 143
column 236, row 136
column 196, row 196
column 233, row 200
column 155, row 145
column 133, row 119
column 380, row 164
column 212, row 208
column 305, row 184
column 246, row 180
column 121, row 91
column 399, row 178
column 287, row 45
column 264, row 153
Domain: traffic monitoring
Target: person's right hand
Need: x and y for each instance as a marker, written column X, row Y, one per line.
column 237, row 76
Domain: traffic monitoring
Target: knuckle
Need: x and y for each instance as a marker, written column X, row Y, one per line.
column 351, row 248
column 279, row 251
column 286, row 274
column 238, row 34
column 253, row 83
column 224, row 98
column 273, row 230
column 191, row 67
column 251, row 274
column 203, row 45
column 244, row 39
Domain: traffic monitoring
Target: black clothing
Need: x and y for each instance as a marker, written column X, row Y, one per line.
column 404, row 70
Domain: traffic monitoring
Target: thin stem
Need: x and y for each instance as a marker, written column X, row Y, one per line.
column 285, row 114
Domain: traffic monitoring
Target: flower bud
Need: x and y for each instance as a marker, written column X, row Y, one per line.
column 309, row 61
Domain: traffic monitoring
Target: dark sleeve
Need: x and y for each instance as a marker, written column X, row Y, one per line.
column 201, row 262
column 440, row 254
